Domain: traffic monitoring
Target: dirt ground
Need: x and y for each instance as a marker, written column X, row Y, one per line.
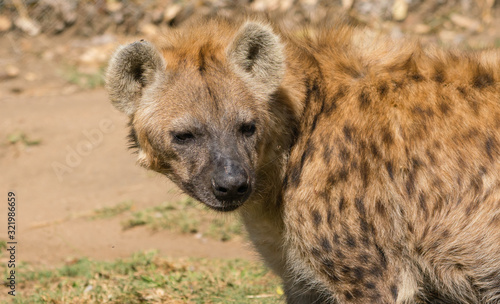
column 81, row 164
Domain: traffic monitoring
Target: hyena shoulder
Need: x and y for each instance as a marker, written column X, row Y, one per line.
column 395, row 173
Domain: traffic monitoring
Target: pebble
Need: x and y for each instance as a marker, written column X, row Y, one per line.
column 28, row 26
column 466, row 22
column 11, row 71
column 399, row 10
column 421, row 28
column 5, row 24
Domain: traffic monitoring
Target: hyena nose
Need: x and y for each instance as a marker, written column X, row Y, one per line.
column 230, row 182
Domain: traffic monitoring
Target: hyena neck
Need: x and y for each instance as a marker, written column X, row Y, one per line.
column 287, row 106
column 262, row 215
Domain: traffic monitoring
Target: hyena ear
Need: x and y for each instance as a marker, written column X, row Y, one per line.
column 258, row 56
column 131, row 69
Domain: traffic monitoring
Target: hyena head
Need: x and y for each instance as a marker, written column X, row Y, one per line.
column 199, row 106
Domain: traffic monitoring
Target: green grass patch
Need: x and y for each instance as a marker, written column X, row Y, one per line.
column 84, row 80
column 21, row 137
column 497, row 43
column 148, row 278
column 187, row 216
column 107, row 212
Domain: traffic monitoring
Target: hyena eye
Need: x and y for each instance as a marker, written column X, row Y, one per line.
column 248, row 129
column 183, row 137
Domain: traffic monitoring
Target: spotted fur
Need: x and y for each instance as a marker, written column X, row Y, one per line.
column 375, row 163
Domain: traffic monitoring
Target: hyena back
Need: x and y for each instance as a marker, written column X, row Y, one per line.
column 365, row 171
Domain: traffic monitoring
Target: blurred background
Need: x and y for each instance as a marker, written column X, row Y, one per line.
column 91, row 226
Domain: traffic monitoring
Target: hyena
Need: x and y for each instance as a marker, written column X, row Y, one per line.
column 365, row 170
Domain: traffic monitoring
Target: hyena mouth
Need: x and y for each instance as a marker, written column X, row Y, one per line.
column 226, row 207
column 222, row 200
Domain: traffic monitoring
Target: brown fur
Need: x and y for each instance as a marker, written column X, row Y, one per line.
column 375, row 164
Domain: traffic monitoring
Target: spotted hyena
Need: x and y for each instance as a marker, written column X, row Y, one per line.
column 365, row 170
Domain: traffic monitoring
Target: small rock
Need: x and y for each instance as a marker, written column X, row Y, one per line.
column 265, row 5
column 466, row 22
column 149, row 30
column 5, row 24
column 171, row 12
column 259, row 6
column 30, row 76
column 347, row 4
column 399, row 10
column 113, row 6
column 11, row 71
column 421, row 28
column 28, row 26
column 87, row 289
column 159, row 292
column 285, row 5
column 68, row 11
